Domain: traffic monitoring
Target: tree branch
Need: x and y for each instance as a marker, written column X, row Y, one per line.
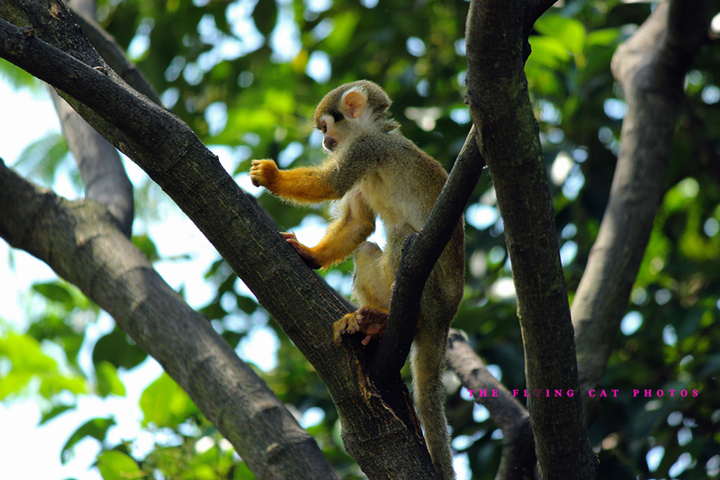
column 651, row 67
column 80, row 241
column 100, row 166
column 518, row 455
column 508, row 138
column 115, row 57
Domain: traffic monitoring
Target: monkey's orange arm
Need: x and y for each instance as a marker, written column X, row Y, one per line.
column 303, row 184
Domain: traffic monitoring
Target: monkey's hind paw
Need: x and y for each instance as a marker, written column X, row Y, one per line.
column 368, row 320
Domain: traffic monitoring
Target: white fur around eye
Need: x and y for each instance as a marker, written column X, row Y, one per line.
column 328, row 121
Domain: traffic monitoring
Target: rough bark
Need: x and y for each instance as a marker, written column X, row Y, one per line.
column 508, row 138
column 651, row 68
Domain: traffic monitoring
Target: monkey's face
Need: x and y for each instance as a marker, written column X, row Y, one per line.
column 331, row 134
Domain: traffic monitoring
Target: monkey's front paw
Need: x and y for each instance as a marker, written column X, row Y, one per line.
column 263, row 173
column 368, row 320
column 304, row 252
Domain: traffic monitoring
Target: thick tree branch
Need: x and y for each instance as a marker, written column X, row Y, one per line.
column 115, row 57
column 80, row 241
column 651, row 67
column 508, row 139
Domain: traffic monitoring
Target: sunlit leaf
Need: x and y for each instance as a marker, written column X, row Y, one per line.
column 164, row 403
column 548, row 51
column 568, row 31
column 115, row 465
column 603, row 37
column 343, row 30
column 13, row 383
column 51, row 385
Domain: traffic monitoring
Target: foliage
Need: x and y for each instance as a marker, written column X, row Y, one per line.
column 246, row 76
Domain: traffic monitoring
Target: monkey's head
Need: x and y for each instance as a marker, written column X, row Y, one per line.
column 351, row 109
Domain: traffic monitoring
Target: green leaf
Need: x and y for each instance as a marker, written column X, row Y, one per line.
column 246, row 304
column 19, row 78
column 108, row 381
column 568, row 31
column 24, row 353
column 116, row 349
column 56, row 292
column 54, row 412
column 51, row 385
column 164, row 403
column 204, row 472
column 548, row 52
column 115, row 465
column 242, row 472
column 603, row 37
column 344, row 26
column 96, row 428
column 42, row 157
column 265, row 17
column 145, row 243
column 13, row 383
column 28, row 361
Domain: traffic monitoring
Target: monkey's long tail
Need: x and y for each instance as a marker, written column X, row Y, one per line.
column 428, row 363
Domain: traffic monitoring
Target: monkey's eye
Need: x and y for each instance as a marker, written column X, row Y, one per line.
column 323, row 127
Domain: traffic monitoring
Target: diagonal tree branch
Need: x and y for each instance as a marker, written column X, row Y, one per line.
column 115, row 57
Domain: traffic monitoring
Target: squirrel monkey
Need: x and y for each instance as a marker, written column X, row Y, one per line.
column 372, row 169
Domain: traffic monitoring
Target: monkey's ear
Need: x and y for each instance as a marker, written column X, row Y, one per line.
column 353, row 102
